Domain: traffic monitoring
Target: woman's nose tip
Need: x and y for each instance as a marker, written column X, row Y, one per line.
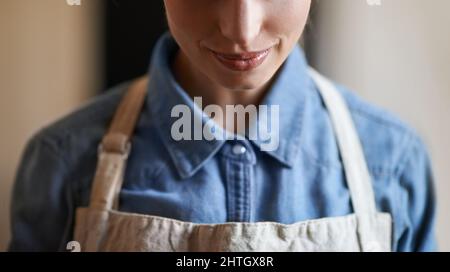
column 241, row 22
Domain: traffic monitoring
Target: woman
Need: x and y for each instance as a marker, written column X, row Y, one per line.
column 343, row 175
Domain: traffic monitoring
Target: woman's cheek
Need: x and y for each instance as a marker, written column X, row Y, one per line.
column 290, row 18
column 187, row 17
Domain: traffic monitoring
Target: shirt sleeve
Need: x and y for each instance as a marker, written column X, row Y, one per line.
column 40, row 208
column 418, row 201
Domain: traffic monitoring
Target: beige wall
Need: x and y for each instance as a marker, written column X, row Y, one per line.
column 48, row 66
column 398, row 56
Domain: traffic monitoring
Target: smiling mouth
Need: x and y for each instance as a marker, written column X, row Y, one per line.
column 243, row 61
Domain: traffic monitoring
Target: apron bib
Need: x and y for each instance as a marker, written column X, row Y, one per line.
column 102, row 227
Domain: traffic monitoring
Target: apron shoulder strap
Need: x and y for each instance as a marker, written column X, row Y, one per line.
column 115, row 147
column 355, row 166
column 121, row 129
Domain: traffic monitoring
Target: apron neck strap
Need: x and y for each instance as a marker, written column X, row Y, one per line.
column 115, row 148
column 117, row 140
column 351, row 151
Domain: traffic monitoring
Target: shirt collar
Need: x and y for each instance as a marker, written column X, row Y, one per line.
column 288, row 91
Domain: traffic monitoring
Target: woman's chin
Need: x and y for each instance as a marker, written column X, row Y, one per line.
column 242, row 82
column 240, row 85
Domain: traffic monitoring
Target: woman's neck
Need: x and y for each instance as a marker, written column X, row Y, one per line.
column 196, row 84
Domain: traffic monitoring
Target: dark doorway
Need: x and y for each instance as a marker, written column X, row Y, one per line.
column 131, row 30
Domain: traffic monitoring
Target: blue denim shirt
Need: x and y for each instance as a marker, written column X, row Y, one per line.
column 206, row 181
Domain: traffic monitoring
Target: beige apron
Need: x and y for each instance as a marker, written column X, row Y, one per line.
column 102, row 227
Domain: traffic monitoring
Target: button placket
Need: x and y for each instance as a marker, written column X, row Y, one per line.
column 239, row 160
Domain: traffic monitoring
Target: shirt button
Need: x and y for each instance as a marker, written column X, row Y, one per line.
column 239, row 149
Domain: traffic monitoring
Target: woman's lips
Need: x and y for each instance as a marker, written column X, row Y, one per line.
column 242, row 62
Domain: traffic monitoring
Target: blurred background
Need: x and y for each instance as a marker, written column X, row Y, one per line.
column 55, row 56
